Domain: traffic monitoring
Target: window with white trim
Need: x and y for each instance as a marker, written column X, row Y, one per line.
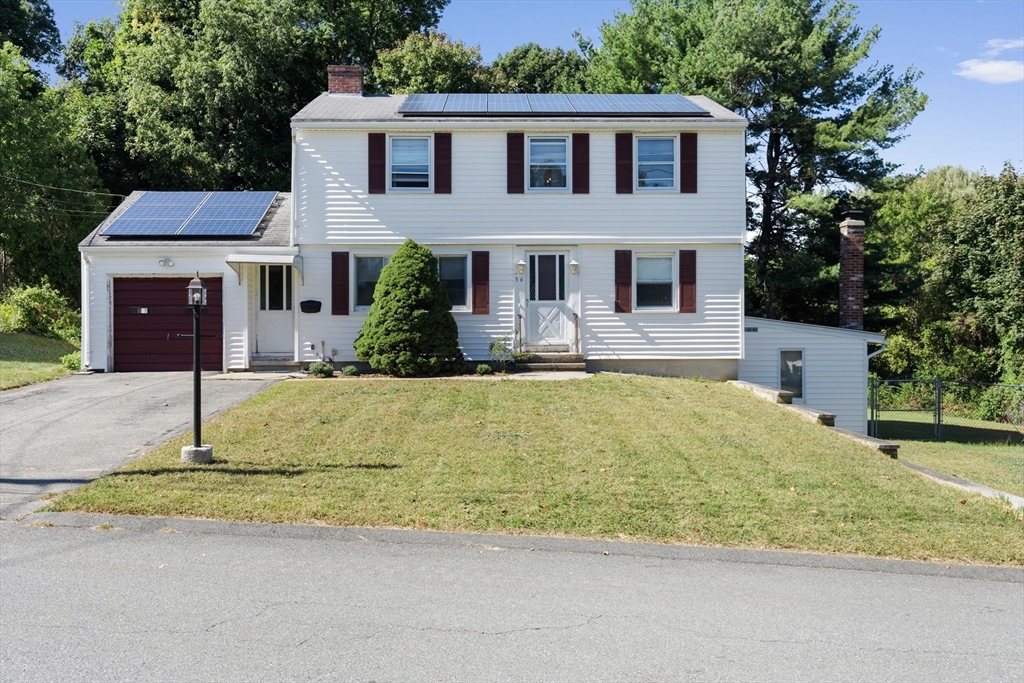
column 791, row 371
column 410, row 163
column 655, row 281
column 453, row 272
column 548, row 167
column 275, row 288
column 655, row 163
column 367, row 273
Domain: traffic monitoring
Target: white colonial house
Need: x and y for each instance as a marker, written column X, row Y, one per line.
column 606, row 227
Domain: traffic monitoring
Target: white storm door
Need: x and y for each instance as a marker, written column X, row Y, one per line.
column 547, row 313
column 275, row 319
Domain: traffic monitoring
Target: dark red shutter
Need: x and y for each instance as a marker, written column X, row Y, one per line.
column 481, row 282
column 339, row 283
column 623, row 281
column 442, row 163
column 377, row 157
column 581, row 163
column 515, row 164
column 687, row 281
column 624, row 163
column 688, row 162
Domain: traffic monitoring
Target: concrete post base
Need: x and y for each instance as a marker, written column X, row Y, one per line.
column 202, row 454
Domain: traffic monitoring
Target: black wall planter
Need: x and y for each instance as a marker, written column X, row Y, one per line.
column 309, row 306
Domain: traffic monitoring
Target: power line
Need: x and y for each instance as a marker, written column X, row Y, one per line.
column 66, row 189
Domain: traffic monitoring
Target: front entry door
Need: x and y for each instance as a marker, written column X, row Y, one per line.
column 547, row 313
column 275, row 321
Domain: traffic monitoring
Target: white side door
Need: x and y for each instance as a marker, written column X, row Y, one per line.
column 547, row 310
column 275, row 319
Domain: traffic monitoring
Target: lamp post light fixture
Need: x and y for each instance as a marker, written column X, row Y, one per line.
column 198, row 452
column 521, row 267
column 574, row 267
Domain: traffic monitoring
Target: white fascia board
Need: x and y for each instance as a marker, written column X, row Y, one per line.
column 192, row 250
column 872, row 337
column 504, row 125
column 529, row 239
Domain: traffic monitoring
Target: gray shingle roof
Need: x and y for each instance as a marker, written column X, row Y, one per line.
column 273, row 231
column 334, row 107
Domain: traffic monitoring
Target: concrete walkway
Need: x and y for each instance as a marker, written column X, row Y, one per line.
column 89, row 597
column 57, row 435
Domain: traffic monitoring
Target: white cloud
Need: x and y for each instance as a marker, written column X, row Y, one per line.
column 991, row 70
column 997, row 45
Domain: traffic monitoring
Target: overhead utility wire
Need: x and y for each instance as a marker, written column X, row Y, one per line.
column 66, row 189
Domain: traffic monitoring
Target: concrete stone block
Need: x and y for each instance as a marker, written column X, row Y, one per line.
column 201, row 455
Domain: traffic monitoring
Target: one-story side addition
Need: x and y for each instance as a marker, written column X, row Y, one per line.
column 605, row 226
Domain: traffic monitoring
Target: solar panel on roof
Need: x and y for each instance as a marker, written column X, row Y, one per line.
column 462, row 103
column 556, row 104
column 511, row 104
column 676, row 104
column 423, row 104
column 634, row 104
column 591, row 104
column 194, row 214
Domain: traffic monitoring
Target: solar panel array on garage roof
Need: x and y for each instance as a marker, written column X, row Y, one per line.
column 192, row 214
column 549, row 105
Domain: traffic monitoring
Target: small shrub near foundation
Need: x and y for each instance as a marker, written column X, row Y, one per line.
column 484, row 369
column 321, row 369
column 350, row 371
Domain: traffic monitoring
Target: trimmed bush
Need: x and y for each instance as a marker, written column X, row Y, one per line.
column 72, row 361
column 319, row 368
column 350, row 371
column 40, row 310
column 484, row 369
column 410, row 329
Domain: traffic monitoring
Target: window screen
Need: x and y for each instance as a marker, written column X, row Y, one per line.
column 452, row 270
column 654, row 282
column 655, row 162
column 791, row 372
column 410, row 163
column 367, row 273
column 548, row 163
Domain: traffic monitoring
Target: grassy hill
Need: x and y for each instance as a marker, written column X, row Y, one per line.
column 26, row 359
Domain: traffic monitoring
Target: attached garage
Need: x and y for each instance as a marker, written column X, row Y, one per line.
column 148, row 315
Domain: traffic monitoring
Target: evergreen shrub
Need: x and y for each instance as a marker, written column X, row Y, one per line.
column 321, row 369
column 350, row 371
column 410, row 329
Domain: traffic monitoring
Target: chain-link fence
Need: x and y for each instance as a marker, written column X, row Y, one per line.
column 941, row 410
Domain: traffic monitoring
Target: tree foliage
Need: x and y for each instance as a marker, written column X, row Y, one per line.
column 41, row 150
column 796, row 69
column 531, row 68
column 410, row 329
column 29, row 25
column 431, row 63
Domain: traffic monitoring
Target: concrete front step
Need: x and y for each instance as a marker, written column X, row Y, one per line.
column 551, row 367
column 274, row 365
column 556, row 358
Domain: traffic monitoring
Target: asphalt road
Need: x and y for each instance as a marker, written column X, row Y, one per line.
column 175, row 600
column 58, row 435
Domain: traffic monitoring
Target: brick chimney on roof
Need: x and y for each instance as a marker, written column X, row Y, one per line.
column 851, row 271
column 345, row 80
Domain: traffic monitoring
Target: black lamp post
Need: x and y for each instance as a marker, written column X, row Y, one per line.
column 197, row 302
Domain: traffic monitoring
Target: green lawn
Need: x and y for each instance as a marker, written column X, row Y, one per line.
column 26, row 359
column 613, row 456
column 900, row 425
column 1001, row 467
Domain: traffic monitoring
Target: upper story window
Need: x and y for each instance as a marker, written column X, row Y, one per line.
column 453, row 271
column 548, row 167
column 655, row 163
column 367, row 273
column 410, row 163
column 654, row 281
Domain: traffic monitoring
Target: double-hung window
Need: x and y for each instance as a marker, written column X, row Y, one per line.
column 548, row 163
column 654, row 282
column 655, row 163
column 367, row 273
column 410, row 163
column 453, row 271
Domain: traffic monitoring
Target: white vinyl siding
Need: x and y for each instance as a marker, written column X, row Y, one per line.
column 834, row 366
column 332, row 205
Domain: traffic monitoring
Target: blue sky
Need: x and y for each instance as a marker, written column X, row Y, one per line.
column 971, row 53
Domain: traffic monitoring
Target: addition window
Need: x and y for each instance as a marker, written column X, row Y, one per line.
column 410, row 163
column 654, row 282
column 367, row 273
column 548, row 167
column 791, row 372
column 655, row 163
column 275, row 288
column 452, row 271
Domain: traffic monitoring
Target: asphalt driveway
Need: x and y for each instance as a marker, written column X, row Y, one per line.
column 58, row 435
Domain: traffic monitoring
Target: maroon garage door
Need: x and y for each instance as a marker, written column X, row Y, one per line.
column 150, row 313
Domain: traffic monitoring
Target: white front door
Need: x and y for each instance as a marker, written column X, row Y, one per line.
column 275, row 319
column 547, row 312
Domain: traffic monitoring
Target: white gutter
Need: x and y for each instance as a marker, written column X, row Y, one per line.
column 676, row 125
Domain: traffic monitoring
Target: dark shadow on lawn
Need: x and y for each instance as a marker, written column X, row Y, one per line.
column 910, row 430
column 218, row 467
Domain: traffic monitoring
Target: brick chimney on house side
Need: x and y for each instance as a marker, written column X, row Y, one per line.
column 344, row 80
column 851, row 271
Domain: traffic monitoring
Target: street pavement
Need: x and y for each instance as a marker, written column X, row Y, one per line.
column 192, row 600
column 57, row 435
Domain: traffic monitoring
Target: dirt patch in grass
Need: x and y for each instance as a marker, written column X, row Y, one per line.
column 614, row 456
column 26, row 359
